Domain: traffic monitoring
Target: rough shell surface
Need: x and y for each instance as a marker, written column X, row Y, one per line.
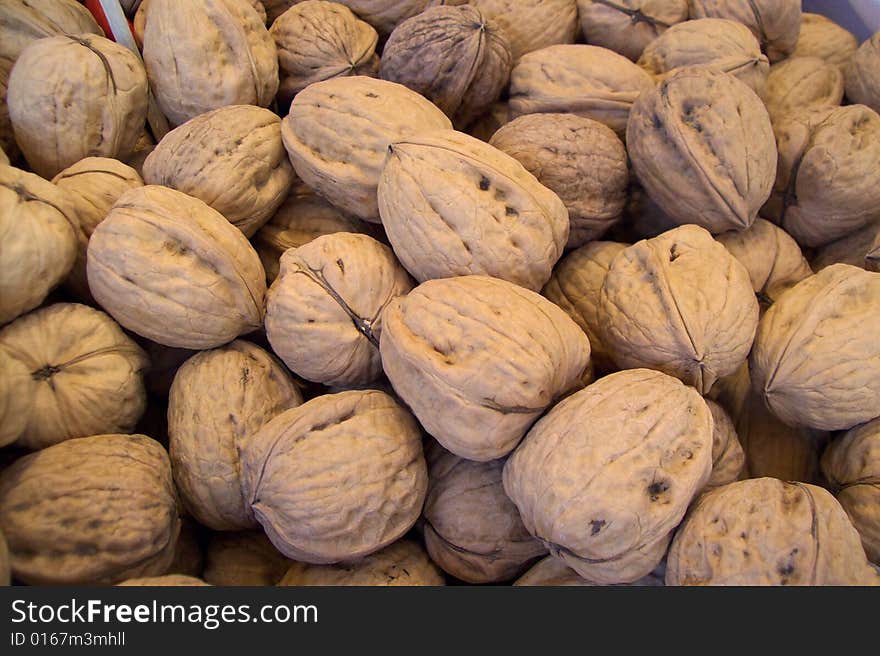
column 491, row 121
column 5, row 571
column 860, row 248
column 244, row 558
column 188, row 557
column 17, row 391
column 802, row 83
column 170, row 580
column 478, row 359
column 532, row 24
column 728, row 458
column 385, row 15
column 551, row 571
column 775, row 23
column 863, row 74
column 822, row 37
column 24, row 21
column 7, row 136
column 627, row 26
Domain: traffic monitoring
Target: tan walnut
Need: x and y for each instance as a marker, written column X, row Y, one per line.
column 863, row 74
column 552, row 571
column 627, row 26
column 245, row 558
column 532, row 24
column 728, row 458
column 802, row 84
column 170, row 580
column 188, row 557
column 24, row 21
column 5, row 571
column 860, row 248
column 822, row 37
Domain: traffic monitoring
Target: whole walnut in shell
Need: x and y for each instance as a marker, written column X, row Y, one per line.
column 324, row 310
column 453, row 205
column 679, row 303
column 170, row 580
column 605, row 476
column 175, row 271
column 589, row 81
column 478, row 359
column 245, row 558
column 802, row 83
column 17, row 391
column 702, row 146
column 551, row 571
column 386, row 15
column 337, row 478
column 205, row 54
column 88, row 511
column 338, row 131
column 579, row 159
column 728, row 458
column 219, row 398
column 24, row 21
column 232, row 158
column 863, row 74
column 860, row 248
column 813, row 361
column 775, row 23
column 822, row 37
column 532, row 24
column 763, row 531
column 140, row 17
column 627, row 26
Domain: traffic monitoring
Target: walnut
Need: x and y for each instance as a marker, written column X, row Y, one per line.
column 822, row 37
column 862, row 76
column 243, row 558
column 775, row 23
column 5, row 572
column 24, row 21
column 860, row 248
column 627, row 26
column 802, row 84
column 188, row 558
column 172, row 580
column 554, row 572
column 728, row 458
column 532, row 24
column 386, row 15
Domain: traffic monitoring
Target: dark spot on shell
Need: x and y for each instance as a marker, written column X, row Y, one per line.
column 596, row 525
column 370, row 94
column 245, row 376
column 484, row 183
column 657, row 488
column 510, row 211
column 341, row 265
column 673, row 253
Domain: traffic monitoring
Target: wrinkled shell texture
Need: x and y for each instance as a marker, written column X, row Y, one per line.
column 17, row 389
column 579, row 159
column 723, row 45
column 38, row 230
column 863, row 74
column 860, row 248
column 764, row 531
column 728, row 458
column 813, row 360
column 472, row 529
column 88, row 374
column 324, row 310
column 167, row 580
column 627, row 26
column 828, row 179
column 453, row 56
column 24, row 21
column 244, row 558
column 98, row 509
column 775, row 23
column 5, row 572
column 338, row 132
column 607, row 474
column 702, row 146
column 385, row 15
column 503, row 355
column 173, row 270
column 530, row 25
column 852, row 465
column 205, row 54
column 337, row 478
column 453, row 205
column 822, row 37
column 218, row 399
column 319, row 40
column 589, row 81
column 102, row 87
column 232, row 158
column 551, row 571
column 7, row 136
column 403, row 563
column 802, row 83
column 680, row 303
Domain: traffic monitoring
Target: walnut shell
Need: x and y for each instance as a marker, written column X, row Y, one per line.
column 88, row 374
column 554, row 572
column 338, row 131
column 92, row 510
column 802, row 84
column 403, row 563
column 862, row 76
column 775, row 23
column 219, row 398
column 188, row 557
column 168, row 267
column 38, row 224
column 478, row 359
column 453, row 205
column 5, row 571
column 337, row 478
column 763, row 531
column 628, row 26
column 169, row 580
column 679, row 303
column 17, row 392
column 139, row 21
column 860, row 248
column 385, row 15
column 589, row 81
column 702, row 146
column 491, row 121
column 24, row 21
column 246, row 558
column 813, row 361
column 7, row 137
column 330, row 295
column 532, row 24
column 205, row 54
column 822, row 37
column 579, row 159
column 728, row 458
column 605, row 476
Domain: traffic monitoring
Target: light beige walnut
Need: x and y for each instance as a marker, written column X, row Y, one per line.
column 728, row 458
column 627, row 26
column 403, row 563
column 764, row 531
column 139, row 21
column 532, row 24
column 88, row 511
column 579, row 159
column 17, row 392
column 851, row 463
column 219, row 398
column 802, row 84
column 702, row 146
column 232, row 158
column 5, row 571
column 88, row 374
column 205, row 54
column 188, row 557
column 860, row 248
column 576, row 285
column 166, row 580
column 472, row 529
column 385, row 15
column 245, row 558
column 102, row 87
column 324, row 310
column 589, row 81
column 822, row 37
column 775, row 23
column 453, row 205
column 38, row 228
column 175, row 271
column 814, row 361
column 720, row 44
column 863, row 74
column 553, row 572
column 478, row 359
column 679, row 303
column 338, row 132
column 24, row 21
column 605, row 476
column 337, row 478
column 7, row 136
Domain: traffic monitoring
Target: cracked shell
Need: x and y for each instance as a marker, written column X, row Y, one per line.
column 478, row 360
column 90, row 511
column 532, row 24
column 206, row 430
column 245, row 558
column 775, row 23
column 171, row 269
column 337, row 478
column 324, row 310
column 679, row 303
column 863, row 74
column 628, row 26
column 763, row 531
column 605, row 477
column 822, row 37
column 728, row 458
column 802, row 84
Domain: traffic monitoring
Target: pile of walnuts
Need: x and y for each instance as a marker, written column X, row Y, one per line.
column 541, row 292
